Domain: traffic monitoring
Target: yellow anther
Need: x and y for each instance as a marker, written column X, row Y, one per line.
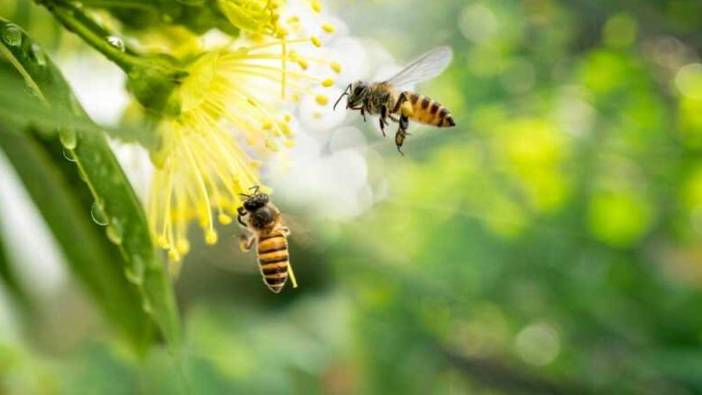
column 224, row 219
column 210, row 236
column 321, row 100
column 328, row 27
column 183, row 246
column 303, row 63
column 281, row 32
column 328, row 82
column 336, row 67
column 286, row 129
column 173, row 255
column 271, row 145
column 316, row 6
column 316, row 41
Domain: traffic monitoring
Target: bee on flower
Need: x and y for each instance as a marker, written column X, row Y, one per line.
column 231, row 113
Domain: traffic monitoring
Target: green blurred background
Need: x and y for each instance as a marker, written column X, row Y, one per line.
column 550, row 243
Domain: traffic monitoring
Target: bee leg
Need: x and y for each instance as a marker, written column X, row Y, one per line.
column 285, row 230
column 393, row 118
column 400, row 101
column 363, row 113
column 240, row 217
column 401, row 133
column 383, row 119
column 246, row 241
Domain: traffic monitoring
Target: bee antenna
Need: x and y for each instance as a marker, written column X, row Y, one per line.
column 344, row 93
column 255, row 189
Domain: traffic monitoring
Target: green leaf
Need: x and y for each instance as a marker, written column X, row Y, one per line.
column 27, row 109
column 134, row 264
column 9, row 279
column 61, row 201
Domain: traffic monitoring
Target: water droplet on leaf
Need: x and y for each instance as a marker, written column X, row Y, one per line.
column 146, row 305
column 115, row 231
column 68, row 138
column 38, row 55
column 68, row 154
column 116, row 42
column 11, row 35
column 97, row 212
column 135, row 272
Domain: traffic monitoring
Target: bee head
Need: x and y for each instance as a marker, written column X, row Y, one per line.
column 255, row 201
column 357, row 91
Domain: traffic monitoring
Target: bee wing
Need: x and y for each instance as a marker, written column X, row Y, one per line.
column 300, row 229
column 423, row 68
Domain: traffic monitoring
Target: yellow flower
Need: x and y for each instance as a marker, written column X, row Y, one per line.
column 229, row 97
column 254, row 16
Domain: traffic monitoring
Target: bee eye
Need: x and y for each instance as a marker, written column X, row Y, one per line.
column 357, row 90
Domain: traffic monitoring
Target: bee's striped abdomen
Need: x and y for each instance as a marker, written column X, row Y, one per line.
column 273, row 260
column 430, row 112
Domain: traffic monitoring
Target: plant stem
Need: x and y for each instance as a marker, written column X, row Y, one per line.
column 150, row 78
column 76, row 20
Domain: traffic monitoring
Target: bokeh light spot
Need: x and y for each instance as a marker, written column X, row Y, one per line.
column 538, row 344
column 619, row 218
column 689, row 80
column 478, row 23
column 619, row 31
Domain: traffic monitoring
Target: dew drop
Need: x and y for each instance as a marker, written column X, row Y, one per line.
column 68, row 138
column 38, row 55
column 68, row 154
column 97, row 212
column 146, row 305
column 116, row 42
column 115, row 231
column 135, row 272
column 11, row 35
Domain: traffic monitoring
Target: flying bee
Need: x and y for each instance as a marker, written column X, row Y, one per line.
column 388, row 100
column 264, row 226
